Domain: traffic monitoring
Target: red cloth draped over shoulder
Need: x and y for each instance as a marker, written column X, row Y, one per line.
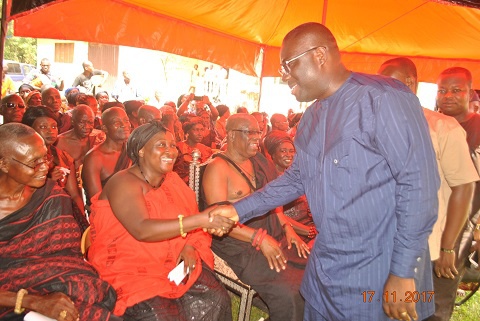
column 139, row 270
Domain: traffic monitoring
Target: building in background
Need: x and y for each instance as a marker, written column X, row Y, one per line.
column 171, row 76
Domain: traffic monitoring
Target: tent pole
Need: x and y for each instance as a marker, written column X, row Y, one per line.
column 3, row 34
column 262, row 52
column 324, row 14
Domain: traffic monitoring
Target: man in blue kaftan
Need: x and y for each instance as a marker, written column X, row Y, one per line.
column 366, row 164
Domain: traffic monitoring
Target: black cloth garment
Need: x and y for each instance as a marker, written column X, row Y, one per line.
column 206, row 300
column 280, row 291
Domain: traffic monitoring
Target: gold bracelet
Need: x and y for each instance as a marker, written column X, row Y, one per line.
column 477, row 227
column 18, row 302
column 447, row 250
column 180, row 222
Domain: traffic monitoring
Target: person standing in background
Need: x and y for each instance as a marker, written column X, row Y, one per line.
column 84, row 80
column 453, row 97
column 44, row 77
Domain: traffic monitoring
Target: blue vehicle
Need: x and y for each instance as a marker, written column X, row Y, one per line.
column 17, row 70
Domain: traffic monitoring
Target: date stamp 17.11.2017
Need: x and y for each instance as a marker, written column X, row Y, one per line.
column 394, row 297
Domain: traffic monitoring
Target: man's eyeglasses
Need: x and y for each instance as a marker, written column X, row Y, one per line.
column 285, row 66
column 38, row 164
column 13, row 105
column 85, row 123
column 249, row 132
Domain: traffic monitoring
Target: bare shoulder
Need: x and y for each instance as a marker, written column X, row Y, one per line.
column 93, row 153
column 61, row 139
column 117, row 184
column 217, row 167
column 69, row 134
column 67, row 140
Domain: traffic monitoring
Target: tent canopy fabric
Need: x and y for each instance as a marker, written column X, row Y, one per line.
column 246, row 35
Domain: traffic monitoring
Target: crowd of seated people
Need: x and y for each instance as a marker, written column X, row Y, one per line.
column 91, row 149
column 123, row 167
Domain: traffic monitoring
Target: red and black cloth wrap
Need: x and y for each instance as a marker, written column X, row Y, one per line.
column 40, row 252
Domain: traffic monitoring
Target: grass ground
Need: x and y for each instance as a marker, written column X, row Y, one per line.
column 469, row 311
column 255, row 315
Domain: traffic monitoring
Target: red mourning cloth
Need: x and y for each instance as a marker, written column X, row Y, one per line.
column 139, row 270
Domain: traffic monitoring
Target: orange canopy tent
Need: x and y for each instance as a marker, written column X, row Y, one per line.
column 246, row 34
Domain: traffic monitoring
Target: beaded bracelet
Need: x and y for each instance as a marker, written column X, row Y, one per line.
column 258, row 233
column 18, row 303
column 312, row 232
column 180, row 222
column 264, row 233
column 253, row 236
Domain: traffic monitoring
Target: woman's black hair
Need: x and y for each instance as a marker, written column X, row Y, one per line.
column 25, row 85
column 32, row 113
column 140, row 136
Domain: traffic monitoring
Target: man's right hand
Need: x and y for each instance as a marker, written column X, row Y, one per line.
column 217, row 224
column 227, row 211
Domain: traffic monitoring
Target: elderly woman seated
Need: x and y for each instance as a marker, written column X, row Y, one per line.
column 41, row 267
column 143, row 225
column 61, row 165
column 280, row 148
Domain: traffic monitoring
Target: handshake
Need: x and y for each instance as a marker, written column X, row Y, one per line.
column 221, row 219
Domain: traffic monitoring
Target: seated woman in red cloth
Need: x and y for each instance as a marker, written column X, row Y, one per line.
column 41, row 267
column 143, row 226
column 280, row 148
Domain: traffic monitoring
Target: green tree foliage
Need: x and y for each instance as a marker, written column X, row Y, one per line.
column 19, row 48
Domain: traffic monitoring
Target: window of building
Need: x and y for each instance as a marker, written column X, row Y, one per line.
column 64, row 52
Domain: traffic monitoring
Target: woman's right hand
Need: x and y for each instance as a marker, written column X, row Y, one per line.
column 55, row 305
column 216, row 224
column 273, row 253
